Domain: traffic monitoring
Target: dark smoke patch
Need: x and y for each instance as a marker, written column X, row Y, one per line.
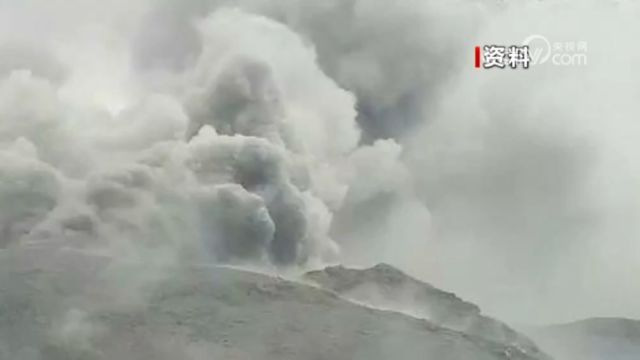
column 264, row 214
column 235, row 224
column 243, row 100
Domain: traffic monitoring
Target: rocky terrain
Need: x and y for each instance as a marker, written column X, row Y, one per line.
column 73, row 307
column 384, row 286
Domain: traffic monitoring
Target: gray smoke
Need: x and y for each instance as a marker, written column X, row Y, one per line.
column 394, row 59
column 227, row 161
column 528, row 175
column 299, row 132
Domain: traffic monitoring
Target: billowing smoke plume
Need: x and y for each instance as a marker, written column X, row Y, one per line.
column 247, row 155
column 393, row 58
column 298, row 132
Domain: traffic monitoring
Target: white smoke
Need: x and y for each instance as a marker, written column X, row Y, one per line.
column 247, row 156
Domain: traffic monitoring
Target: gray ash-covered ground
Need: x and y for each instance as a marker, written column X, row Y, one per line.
column 387, row 287
column 57, row 312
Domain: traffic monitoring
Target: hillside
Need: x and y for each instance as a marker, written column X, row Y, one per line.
column 384, row 286
column 58, row 311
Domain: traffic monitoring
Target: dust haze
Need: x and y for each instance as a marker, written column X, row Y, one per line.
column 293, row 134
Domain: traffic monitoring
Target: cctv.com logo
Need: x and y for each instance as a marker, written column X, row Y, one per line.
column 535, row 50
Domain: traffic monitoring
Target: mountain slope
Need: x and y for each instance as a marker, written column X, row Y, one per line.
column 386, row 287
column 57, row 312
